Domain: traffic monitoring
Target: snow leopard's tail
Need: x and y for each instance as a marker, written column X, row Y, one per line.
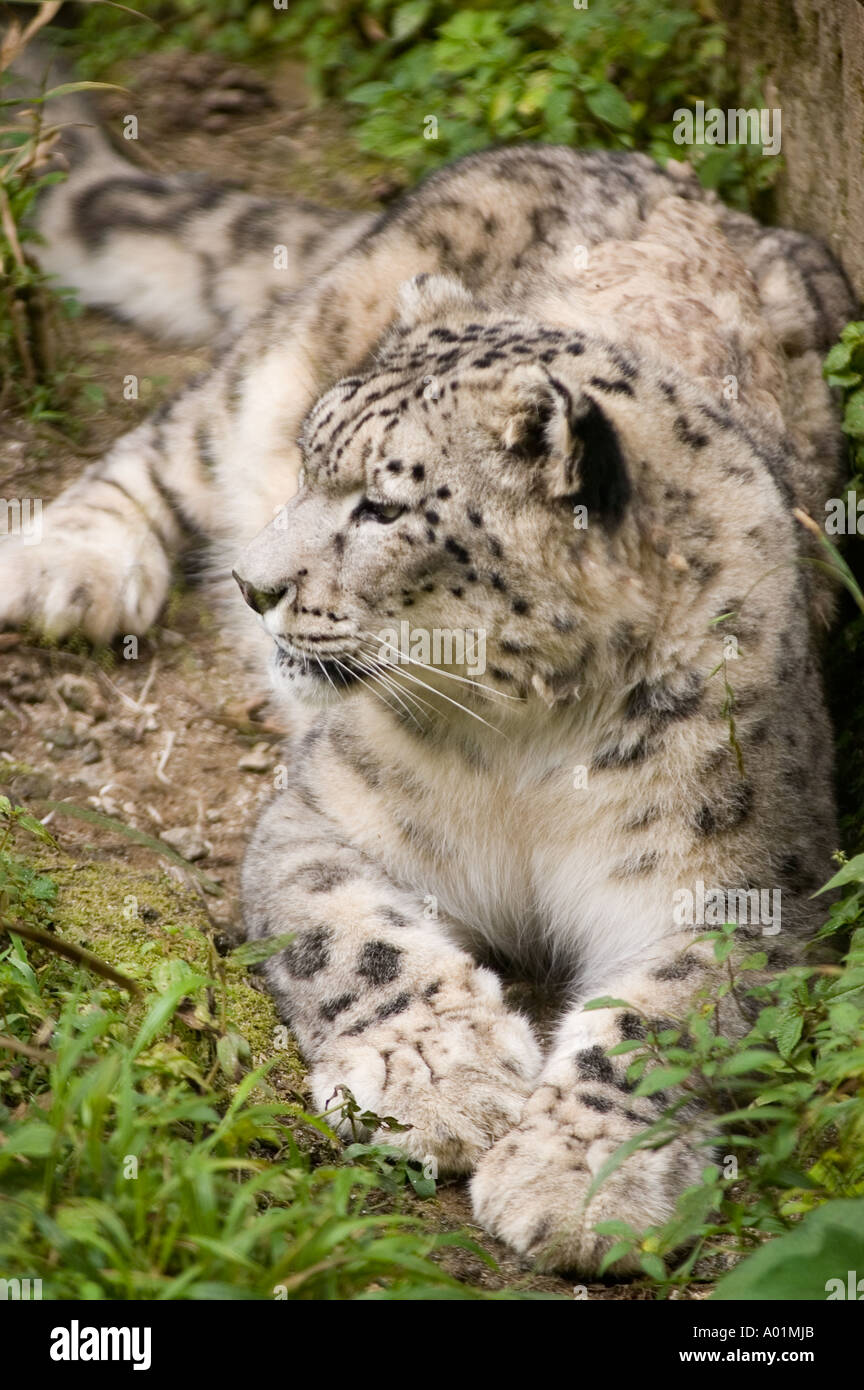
column 806, row 298
column 805, row 293
column 182, row 256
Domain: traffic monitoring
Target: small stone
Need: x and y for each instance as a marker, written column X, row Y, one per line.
column 261, row 759
column 78, row 692
column 187, row 841
column 126, row 731
column 26, row 693
column 91, row 752
column 63, row 737
column 35, row 786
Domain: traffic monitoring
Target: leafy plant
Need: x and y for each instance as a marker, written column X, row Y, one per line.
column 786, row 1099
column 806, row 1263
column 39, row 375
column 433, row 80
column 127, row 1172
column 608, row 75
column 844, row 368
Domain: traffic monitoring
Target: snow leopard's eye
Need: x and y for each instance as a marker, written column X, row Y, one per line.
column 383, row 512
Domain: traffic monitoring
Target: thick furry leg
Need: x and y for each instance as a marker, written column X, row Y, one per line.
column 380, row 1000
column 102, row 559
column 532, row 1188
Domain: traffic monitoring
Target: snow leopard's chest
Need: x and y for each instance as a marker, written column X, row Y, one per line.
column 526, row 857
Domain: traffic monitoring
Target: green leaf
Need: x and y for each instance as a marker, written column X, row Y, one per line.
column 408, row 18
column 853, row 416
column 370, row 93
column 67, row 88
column 424, row 1187
column 615, row 1228
column 846, row 1018
column 788, row 1032
column 661, row 1078
column 751, row 1059
column 32, row 1139
column 853, row 872
column 844, row 379
column 838, row 358
column 140, row 837
column 234, row 1055
column 621, row 1247
column 802, row 1264
column 254, row 952
column 162, row 1010
column 36, row 828
column 652, row 1265
column 43, row 888
column 757, row 961
column 610, row 106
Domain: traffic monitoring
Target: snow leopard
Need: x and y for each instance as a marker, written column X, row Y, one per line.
column 565, row 400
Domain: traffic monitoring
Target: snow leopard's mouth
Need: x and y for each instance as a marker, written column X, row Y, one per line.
column 328, row 669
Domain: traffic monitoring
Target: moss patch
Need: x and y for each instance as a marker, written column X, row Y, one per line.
column 140, row 923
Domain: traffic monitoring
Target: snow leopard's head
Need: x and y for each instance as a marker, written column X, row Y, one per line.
column 461, row 514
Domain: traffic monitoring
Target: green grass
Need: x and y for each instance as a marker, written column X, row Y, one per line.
column 39, row 376
column 144, row 1156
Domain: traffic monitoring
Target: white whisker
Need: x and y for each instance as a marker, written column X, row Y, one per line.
column 426, row 686
column 387, row 686
column 488, row 690
column 378, row 668
column 375, row 692
column 324, row 671
column 384, row 671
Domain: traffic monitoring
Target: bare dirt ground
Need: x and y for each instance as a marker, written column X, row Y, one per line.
column 178, row 742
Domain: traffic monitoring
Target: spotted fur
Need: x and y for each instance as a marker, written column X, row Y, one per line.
column 417, row 418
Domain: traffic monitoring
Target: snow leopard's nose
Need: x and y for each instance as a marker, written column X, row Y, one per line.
column 263, row 600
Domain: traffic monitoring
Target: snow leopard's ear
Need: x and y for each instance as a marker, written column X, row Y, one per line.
column 427, row 297
column 569, row 443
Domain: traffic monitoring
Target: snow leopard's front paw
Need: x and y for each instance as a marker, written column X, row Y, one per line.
column 83, row 569
column 453, row 1064
column 531, row 1188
